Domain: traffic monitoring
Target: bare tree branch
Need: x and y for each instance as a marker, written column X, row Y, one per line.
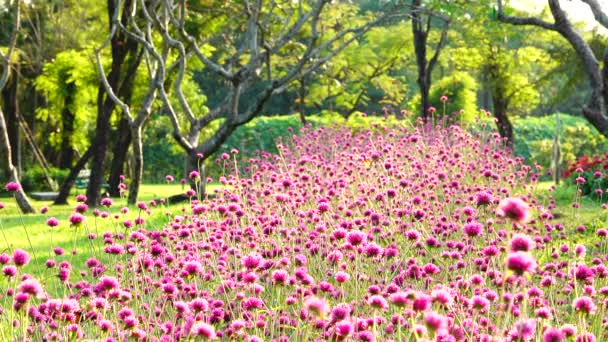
column 6, row 58
column 600, row 16
column 522, row 21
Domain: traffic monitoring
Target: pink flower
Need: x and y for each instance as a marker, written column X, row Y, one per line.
column 203, row 330
column 12, row 187
column 521, row 242
column 52, row 222
column 316, row 306
column 194, row 175
column 515, row 209
column 521, row 262
column 584, row 305
column 76, row 219
column 31, row 287
column 443, row 98
column 21, row 257
column 436, row 323
column 377, row 302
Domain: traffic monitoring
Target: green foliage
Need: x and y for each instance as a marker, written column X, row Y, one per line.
column 534, row 138
column 461, row 90
column 366, row 72
column 33, row 179
column 70, row 75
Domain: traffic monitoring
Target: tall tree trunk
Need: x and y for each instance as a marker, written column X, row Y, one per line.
column 505, row 128
column 11, row 108
column 66, row 187
column 68, row 119
column 138, row 164
column 119, row 156
column 5, row 147
column 121, row 47
column 420, row 30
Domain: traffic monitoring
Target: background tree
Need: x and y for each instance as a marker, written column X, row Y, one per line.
column 256, row 38
column 6, row 58
column 422, row 20
column 595, row 109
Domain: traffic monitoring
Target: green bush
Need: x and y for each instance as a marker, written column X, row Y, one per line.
column 33, row 179
column 461, row 91
column 534, row 139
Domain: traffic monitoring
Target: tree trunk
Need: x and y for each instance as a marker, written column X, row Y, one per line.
column 5, row 147
column 67, row 116
column 11, row 107
column 420, row 37
column 64, row 191
column 138, row 164
column 505, row 128
column 121, row 47
column 121, row 148
column 194, row 163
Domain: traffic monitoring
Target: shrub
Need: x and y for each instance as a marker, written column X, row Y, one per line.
column 534, row 138
column 33, row 179
column 589, row 174
column 461, row 91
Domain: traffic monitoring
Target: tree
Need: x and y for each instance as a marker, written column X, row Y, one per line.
column 254, row 38
column 367, row 68
column 595, row 109
column 421, row 27
column 11, row 171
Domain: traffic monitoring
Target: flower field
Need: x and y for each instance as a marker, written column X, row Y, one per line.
column 402, row 234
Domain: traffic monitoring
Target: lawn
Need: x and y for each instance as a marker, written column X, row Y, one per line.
column 18, row 230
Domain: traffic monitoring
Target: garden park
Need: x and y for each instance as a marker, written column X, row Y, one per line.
column 407, row 170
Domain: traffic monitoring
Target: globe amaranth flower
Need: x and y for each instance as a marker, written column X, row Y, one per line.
column 515, row 209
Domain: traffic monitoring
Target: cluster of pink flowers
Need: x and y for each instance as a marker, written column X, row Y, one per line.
column 397, row 235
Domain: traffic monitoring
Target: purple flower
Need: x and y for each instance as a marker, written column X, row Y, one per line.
column 52, row 222
column 12, row 187
column 377, row 302
column 521, row 262
column 473, row 229
column 76, row 219
column 316, row 306
column 21, row 257
column 521, row 242
column 515, row 209
column 584, row 305
column 554, row 335
column 31, row 287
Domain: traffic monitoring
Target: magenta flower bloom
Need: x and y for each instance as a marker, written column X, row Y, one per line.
column 473, row 229
column 52, row 222
column 106, row 202
column 344, row 329
column 194, row 175
column 554, row 335
column 377, row 302
column 169, row 178
column 515, row 209
column 21, row 257
column 31, row 287
column 203, row 330
column 584, row 305
column 280, row 277
column 316, row 306
column 76, row 219
column 12, row 187
column 521, row 242
column 436, row 323
column 422, row 302
column 9, row 271
column 521, row 263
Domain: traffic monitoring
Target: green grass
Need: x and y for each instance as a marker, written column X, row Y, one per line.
column 17, row 230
